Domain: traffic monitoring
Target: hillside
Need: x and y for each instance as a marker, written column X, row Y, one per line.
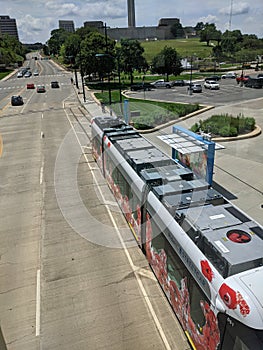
column 185, row 47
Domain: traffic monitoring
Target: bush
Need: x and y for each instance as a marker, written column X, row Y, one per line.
column 227, row 131
column 225, row 125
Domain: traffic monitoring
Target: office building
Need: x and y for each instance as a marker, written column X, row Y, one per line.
column 67, row 25
column 8, row 26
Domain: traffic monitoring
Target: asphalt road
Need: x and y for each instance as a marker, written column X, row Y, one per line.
column 71, row 275
column 228, row 93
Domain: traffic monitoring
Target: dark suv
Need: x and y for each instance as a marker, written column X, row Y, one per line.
column 256, row 83
column 17, row 101
column 141, row 86
column 54, row 84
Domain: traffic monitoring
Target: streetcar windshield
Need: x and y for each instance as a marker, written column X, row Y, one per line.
column 238, row 336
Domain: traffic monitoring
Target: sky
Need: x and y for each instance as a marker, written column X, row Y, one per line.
column 37, row 18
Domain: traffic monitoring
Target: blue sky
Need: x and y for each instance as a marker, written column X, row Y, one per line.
column 36, row 18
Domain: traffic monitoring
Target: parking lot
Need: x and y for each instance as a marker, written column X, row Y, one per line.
column 228, row 93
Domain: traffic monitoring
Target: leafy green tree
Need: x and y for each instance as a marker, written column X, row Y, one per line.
column 167, row 62
column 58, row 37
column 95, row 56
column 131, row 57
column 231, row 41
column 251, row 42
column 209, row 32
column 11, row 50
column 177, row 30
column 199, row 27
column 70, row 48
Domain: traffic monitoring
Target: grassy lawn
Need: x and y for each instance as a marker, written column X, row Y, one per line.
column 151, row 113
column 185, row 48
column 4, row 74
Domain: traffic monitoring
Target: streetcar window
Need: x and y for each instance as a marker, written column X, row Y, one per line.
column 186, row 285
column 237, row 336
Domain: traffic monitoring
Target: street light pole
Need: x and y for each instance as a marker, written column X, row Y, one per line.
column 81, row 74
column 119, row 77
column 76, row 78
column 106, row 44
column 191, row 76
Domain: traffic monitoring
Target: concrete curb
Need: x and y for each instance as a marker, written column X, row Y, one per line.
column 257, row 131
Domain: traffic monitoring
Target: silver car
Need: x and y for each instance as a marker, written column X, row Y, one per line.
column 195, row 87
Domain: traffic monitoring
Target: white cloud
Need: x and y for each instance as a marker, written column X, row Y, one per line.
column 31, row 28
column 63, row 9
column 237, row 9
column 45, row 14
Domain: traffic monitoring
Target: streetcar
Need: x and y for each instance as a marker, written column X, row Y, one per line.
column 205, row 252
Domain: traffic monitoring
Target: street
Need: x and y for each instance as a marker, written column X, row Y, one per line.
column 72, row 276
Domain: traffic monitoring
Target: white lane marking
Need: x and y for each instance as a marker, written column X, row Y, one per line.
column 133, row 267
column 38, row 304
column 41, row 174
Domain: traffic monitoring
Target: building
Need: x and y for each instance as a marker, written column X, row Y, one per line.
column 160, row 32
column 67, row 25
column 94, row 24
column 8, row 26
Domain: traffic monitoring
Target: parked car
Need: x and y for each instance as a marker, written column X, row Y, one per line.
column 36, row 72
column 195, row 87
column 256, row 83
column 17, row 100
column 241, row 78
column 260, row 75
column 30, row 85
column 20, row 74
column 178, row 83
column 28, row 74
column 229, row 75
column 41, row 88
column 213, row 77
column 54, row 84
column 162, row 84
column 211, row 84
column 142, row 86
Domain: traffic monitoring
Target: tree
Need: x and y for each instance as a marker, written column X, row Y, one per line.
column 87, row 57
column 231, row 41
column 131, row 57
column 167, row 62
column 58, row 37
column 11, row 50
column 209, row 32
column 199, row 27
column 177, row 30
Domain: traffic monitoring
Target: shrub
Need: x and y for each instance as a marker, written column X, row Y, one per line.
column 225, row 125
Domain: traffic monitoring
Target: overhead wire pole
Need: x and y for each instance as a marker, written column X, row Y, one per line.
column 81, row 74
column 230, row 14
column 107, row 53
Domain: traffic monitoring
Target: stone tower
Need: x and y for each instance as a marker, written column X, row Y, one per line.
column 131, row 13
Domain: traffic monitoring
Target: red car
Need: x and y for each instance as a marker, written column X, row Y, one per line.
column 242, row 78
column 30, row 85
